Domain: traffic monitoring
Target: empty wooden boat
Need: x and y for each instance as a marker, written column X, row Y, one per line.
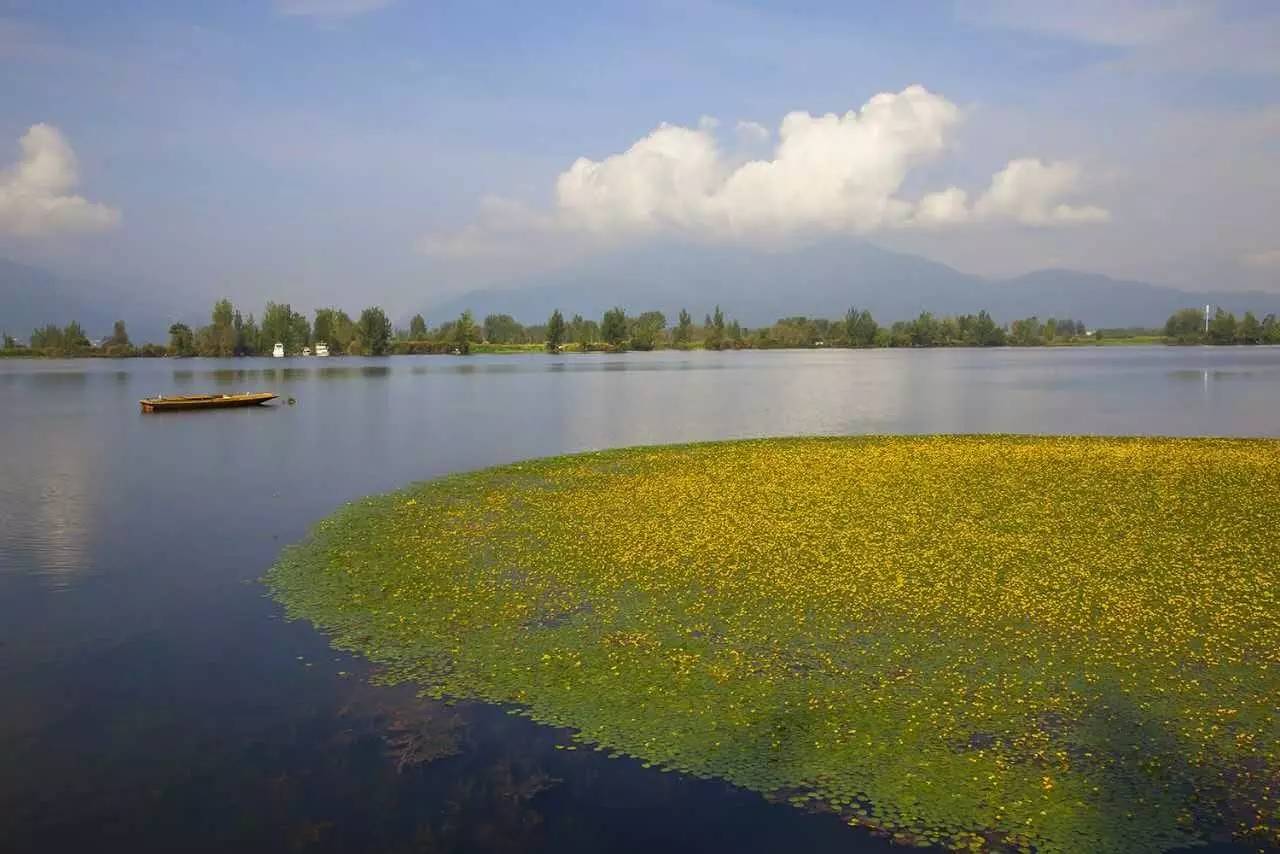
column 204, row 401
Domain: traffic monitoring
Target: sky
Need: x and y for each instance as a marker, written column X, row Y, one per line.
column 401, row 151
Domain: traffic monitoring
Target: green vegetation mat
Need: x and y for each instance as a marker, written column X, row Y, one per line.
column 1066, row 644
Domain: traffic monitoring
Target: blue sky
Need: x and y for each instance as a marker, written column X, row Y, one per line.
column 315, row 149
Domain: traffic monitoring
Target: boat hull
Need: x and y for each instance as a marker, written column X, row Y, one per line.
column 204, row 401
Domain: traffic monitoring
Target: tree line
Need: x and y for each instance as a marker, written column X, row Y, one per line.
column 232, row 333
column 71, row 340
column 1188, row 326
column 650, row 330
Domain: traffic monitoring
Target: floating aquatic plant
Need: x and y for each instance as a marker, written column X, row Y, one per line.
column 1058, row 644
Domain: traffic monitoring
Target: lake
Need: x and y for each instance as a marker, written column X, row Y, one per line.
column 155, row 700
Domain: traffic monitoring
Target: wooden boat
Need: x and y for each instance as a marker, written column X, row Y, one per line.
column 204, row 401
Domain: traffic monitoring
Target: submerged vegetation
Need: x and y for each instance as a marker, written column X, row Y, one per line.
column 1066, row 644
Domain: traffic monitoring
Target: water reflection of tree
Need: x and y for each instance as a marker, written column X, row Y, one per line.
column 377, row 770
column 471, row 803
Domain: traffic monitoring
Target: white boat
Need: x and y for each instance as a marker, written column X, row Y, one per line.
column 278, row 351
column 306, row 351
column 322, row 348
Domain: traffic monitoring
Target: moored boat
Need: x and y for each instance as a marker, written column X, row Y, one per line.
column 204, row 401
column 278, row 351
column 322, row 348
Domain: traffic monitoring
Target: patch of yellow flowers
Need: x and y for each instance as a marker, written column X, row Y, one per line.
column 988, row 642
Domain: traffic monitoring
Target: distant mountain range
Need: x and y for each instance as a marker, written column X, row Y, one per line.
column 825, row 280
column 754, row 287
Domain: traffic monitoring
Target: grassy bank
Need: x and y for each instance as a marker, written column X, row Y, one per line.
column 1071, row 644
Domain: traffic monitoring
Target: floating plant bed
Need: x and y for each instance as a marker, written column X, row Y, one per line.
column 1066, row 644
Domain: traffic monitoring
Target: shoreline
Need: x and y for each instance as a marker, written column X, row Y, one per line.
column 532, row 349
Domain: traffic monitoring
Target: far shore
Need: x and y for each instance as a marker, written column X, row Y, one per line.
column 481, row 349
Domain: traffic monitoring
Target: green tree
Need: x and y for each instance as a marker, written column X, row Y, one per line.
column 119, row 335
column 74, row 337
column 322, row 326
column 278, row 327
column 613, row 327
column 1025, row 332
column 373, row 332
column 798, row 331
column 118, row 344
column 926, row 331
column 646, row 330
column 48, row 338
column 1250, row 330
column 248, row 337
column 859, row 328
column 417, row 328
column 219, row 337
column 1222, row 329
column 1185, row 326
column 682, row 335
column 584, row 332
column 985, row 331
column 713, row 331
column 1270, row 330
column 10, row 343
column 464, row 332
column 555, row 331
column 300, row 329
column 502, row 329
column 334, row 327
column 181, row 340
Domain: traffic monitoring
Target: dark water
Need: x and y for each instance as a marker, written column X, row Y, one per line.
column 153, row 700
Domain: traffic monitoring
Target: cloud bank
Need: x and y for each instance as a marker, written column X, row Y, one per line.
column 827, row 174
column 35, row 192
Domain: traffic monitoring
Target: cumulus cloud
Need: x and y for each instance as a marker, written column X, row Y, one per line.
column 329, row 9
column 1026, row 192
column 753, row 132
column 827, row 173
column 35, row 192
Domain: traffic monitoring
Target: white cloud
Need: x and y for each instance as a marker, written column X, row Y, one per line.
column 35, row 197
column 1266, row 260
column 329, row 9
column 753, row 132
column 945, row 207
column 828, row 173
column 1027, row 191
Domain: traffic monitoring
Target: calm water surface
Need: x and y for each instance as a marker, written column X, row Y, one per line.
column 154, row 700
